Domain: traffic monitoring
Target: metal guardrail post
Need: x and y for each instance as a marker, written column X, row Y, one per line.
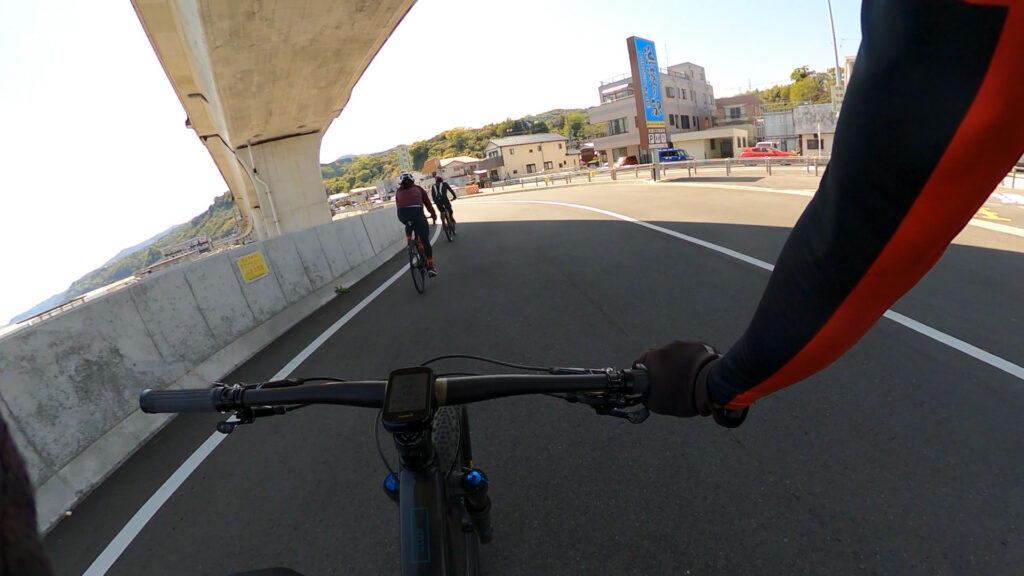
column 728, row 166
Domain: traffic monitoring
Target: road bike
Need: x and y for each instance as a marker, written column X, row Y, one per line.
column 445, row 510
column 447, row 222
column 417, row 259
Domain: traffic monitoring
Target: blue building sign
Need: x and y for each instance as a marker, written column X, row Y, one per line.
column 647, row 92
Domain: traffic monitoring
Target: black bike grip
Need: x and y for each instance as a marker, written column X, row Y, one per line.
column 173, row 401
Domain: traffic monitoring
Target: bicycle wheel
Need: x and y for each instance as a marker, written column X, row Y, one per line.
column 446, row 224
column 451, row 442
column 447, row 430
column 418, row 268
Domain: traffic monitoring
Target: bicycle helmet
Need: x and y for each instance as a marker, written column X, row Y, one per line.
column 406, row 177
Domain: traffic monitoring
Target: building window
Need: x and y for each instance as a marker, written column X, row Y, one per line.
column 511, row 151
column 530, row 151
column 712, row 143
column 618, row 153
column 684, row 122
column 683, row 93
column 531, row 168
column 559, row 145
column 548, row 165
column 670, row 92
column 492, row 154
column 617, row 126
column 539, row 147
column 671, row 119
column 734, row 113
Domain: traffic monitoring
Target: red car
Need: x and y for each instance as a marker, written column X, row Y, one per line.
column 763, row 152
column 626, row 161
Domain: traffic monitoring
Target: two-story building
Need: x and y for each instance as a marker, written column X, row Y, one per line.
column 529, row 154
column 688, row 102
column 745, row 111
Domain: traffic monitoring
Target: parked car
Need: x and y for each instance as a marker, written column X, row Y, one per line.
column 626, row 161
column 673, row 155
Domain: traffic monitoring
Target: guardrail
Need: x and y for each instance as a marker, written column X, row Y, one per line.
column 809, row 164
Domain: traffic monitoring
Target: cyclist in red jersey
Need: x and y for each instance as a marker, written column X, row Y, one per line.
column 877, row 223
column 410, row 200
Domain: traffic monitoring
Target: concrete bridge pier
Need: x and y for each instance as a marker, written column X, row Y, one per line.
column 286, row 179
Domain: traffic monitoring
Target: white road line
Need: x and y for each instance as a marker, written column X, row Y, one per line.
column 923, row 329
column 134, row 526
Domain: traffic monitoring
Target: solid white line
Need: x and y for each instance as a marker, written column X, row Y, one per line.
column 923, row 329
column 134, row 526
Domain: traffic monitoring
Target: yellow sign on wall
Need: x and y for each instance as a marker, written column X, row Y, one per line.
column 252, row 266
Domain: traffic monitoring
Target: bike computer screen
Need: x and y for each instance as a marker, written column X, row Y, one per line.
column 408, row 399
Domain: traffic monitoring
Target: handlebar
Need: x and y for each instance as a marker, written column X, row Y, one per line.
column 370, row 393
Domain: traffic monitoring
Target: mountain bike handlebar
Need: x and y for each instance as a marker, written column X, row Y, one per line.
column 370, row 393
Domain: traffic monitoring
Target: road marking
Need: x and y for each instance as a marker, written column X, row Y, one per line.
column 977, row 222
column 990, row 214
column 131, row 530
column 923, row 329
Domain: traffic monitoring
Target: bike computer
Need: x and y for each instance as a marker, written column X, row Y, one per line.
column 408, row 400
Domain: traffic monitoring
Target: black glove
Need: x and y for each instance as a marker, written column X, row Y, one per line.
column 678, row 375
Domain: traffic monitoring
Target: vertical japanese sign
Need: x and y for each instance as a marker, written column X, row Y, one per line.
column 404, row 160
column 647, row 91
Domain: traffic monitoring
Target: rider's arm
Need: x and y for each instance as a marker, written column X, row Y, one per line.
column 427, row 204
column 450, row 190
column 935, row 84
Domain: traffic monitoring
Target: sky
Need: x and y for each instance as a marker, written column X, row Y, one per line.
column 95, row 155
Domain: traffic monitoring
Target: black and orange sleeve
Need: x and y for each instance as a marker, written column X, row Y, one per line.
column 932, row 120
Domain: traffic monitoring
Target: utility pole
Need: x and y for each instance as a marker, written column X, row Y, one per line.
column 835, row 46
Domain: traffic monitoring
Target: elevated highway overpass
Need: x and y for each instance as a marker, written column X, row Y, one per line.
column 260, row 83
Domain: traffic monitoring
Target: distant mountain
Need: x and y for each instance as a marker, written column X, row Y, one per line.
column 218, row 222
column 140, row 245
column 51, row 302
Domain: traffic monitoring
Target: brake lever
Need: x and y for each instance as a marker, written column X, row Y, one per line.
column 634, row 416
column 248, row 415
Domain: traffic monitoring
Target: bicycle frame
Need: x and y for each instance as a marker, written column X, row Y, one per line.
column 430, row 518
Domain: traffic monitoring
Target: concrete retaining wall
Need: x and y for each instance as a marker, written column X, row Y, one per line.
column 70, row 385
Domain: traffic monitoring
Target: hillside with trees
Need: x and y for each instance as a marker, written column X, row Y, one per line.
column 807, row 87
column 218, row 222
column 363, row 170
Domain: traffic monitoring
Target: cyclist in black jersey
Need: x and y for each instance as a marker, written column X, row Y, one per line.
column 439, row 192
column 878, row 222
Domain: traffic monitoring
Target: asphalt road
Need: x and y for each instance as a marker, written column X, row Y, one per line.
column 903, row 457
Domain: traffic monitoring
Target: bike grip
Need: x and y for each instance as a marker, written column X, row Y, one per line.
column 173, row 401
column 641, row 383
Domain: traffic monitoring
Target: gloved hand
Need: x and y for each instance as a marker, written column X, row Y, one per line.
column 678, row 376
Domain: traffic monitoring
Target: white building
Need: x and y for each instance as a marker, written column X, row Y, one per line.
column 530, row 154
